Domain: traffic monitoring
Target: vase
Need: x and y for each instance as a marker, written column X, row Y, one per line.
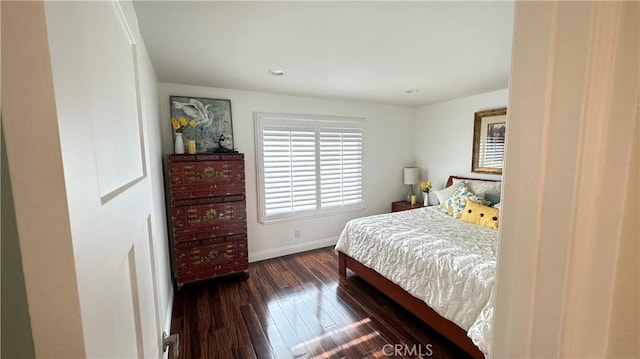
column 426, row 198
column 179, row 145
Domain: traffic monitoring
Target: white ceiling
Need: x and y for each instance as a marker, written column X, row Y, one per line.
column 369, row 51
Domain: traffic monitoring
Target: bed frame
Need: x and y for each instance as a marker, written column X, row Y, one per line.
column 415, row 306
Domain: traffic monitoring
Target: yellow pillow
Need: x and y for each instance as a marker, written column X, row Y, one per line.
column 478, row 214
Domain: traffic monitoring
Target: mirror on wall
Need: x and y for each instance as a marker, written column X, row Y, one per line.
column 489, row 130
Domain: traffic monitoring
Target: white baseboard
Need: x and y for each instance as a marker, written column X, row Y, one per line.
column 292, row 248
column 167, row 320
column 169, row 314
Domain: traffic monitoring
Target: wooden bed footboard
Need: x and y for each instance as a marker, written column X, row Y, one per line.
column 415, row 306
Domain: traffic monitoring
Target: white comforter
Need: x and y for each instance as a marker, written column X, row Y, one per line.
column 447, row 263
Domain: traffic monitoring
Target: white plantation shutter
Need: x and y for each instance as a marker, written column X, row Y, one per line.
column 289, row 171
column 340, row 168
column 307, row 165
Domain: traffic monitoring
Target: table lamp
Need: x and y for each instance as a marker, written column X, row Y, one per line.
column 410, row 178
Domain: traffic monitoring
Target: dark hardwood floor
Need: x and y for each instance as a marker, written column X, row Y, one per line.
column 297, row 307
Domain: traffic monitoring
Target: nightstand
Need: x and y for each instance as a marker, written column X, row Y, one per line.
column 404, row 205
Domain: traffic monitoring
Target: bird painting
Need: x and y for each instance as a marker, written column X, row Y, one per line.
column 197, row 110
column 214, row 122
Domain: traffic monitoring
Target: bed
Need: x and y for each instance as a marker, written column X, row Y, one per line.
column 437, row 267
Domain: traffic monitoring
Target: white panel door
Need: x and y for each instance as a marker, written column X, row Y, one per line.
column 95, row 77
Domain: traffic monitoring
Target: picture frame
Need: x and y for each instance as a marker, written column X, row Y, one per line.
column 489, row 134
column 214, row 129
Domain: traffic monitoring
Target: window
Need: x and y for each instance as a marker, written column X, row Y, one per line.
column 308, row 165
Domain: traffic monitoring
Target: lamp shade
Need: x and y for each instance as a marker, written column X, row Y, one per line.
column 411, row 175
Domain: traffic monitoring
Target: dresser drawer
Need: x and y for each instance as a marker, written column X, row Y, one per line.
column 210, row 260
column 223, row 217
column 211, row 178
column 207, row 241
column 188, row 194
column 211, row 198
column 216, row 271
column 217, row 233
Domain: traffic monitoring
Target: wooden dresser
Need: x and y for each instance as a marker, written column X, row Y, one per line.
column 207, row 216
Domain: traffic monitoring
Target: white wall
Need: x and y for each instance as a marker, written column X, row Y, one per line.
column 443, row 136
column 388, row 147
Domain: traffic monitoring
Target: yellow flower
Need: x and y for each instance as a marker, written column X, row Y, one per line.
column 181, row 123
column 425, row 186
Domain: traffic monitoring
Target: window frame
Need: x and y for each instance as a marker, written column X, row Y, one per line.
column 303, row 121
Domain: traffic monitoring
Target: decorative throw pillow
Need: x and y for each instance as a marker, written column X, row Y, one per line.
column 455, row 204
column 481, row 187
column 493, row 198
column 445, row 194
column 478, row 214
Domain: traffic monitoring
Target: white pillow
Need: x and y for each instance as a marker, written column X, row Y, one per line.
column 481, row 187
column 444, row 194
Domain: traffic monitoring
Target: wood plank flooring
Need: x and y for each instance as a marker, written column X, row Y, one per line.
column 297, row 307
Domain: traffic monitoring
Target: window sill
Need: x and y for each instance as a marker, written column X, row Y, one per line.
column 310, row 216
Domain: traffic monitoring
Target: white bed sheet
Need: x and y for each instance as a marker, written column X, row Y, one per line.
column 447, row 263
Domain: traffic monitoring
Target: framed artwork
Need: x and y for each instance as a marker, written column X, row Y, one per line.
column 489, row 132
column 213, row 130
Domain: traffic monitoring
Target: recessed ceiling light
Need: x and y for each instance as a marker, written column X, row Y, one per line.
column 276, row 72
column 412, row 91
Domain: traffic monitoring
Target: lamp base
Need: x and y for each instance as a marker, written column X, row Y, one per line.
column 410, row 194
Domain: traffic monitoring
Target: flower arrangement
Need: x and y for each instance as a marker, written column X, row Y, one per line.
column 181, row 123
column 425, row 186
